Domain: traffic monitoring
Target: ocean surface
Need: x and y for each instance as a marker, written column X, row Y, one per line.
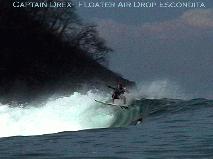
column 78, row 127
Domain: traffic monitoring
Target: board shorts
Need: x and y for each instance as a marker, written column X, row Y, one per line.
column 117, row 96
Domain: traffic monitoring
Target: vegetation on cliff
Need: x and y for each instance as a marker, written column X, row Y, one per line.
column 49, row 51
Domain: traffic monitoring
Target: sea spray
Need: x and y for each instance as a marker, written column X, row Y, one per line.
column 161, row 89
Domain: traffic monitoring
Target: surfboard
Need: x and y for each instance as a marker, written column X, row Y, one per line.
column 111, row 104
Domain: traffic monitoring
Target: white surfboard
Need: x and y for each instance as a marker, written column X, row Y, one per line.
column 111, row 104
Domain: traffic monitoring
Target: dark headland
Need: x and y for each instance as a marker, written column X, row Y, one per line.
column 46, row 53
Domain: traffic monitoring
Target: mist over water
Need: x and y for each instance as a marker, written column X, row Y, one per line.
column 162, row 89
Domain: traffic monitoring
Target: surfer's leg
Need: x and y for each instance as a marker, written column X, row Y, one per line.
column 113, row 98
column 124, row 99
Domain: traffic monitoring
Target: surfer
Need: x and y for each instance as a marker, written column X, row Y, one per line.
column 118, row 92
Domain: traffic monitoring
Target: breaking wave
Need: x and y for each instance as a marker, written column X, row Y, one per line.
column 73, row 113
column 80, row 111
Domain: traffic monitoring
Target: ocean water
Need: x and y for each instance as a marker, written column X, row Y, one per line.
column 78, row 127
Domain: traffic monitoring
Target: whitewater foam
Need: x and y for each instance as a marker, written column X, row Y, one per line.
column 76, row 112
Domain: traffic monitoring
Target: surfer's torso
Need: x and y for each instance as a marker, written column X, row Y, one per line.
column 118, row 92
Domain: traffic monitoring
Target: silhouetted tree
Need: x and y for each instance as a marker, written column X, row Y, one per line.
column 88, row 39
column 56, row 20
column 66, row 25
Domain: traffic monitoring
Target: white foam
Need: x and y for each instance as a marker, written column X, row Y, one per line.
column 72, row 113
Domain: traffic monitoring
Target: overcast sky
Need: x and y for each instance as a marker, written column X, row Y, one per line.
column 160, row 44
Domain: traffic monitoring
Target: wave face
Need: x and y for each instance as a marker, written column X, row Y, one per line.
column 79, row 112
